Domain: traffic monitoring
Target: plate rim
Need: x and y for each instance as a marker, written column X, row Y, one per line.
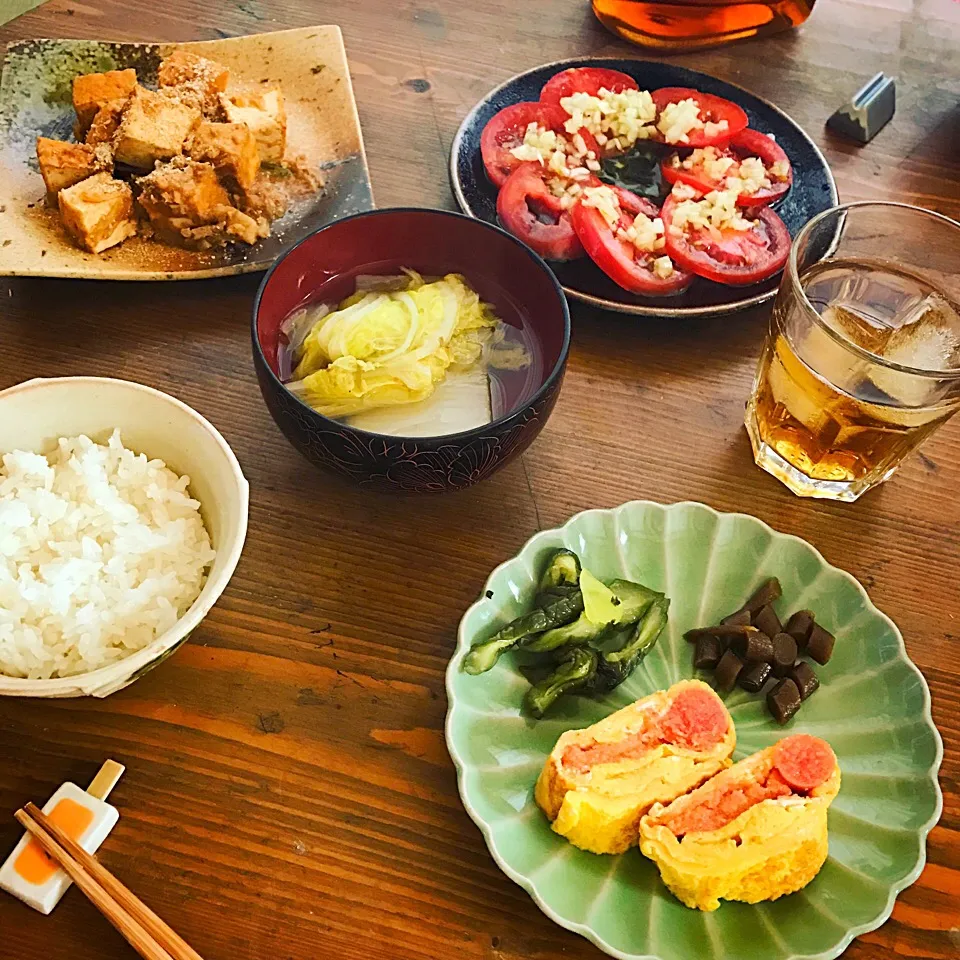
column 127, row 275
column 633, row 309
column 551, row 535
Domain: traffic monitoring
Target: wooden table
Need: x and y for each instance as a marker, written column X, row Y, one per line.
column 288, row 793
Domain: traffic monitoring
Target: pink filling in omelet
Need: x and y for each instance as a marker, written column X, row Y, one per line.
column 696, row 720
column 800, row 764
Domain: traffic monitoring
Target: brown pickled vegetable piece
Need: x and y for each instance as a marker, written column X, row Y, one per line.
column 753, row 647
column 754, row 676
column 783, row 700
column 806, row 680
column 739, row 619
column 820, row 644
column 765, row 594
column 720, row 630
column 799, row 627
column 784, row 654
column 766, row 619
column 728, row 669
column 708, row 653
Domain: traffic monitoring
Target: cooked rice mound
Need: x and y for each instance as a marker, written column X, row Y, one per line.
column 101, row 551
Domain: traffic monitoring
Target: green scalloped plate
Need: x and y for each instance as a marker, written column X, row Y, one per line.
column 873, row 706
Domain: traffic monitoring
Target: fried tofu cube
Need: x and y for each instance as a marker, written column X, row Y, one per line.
column 153, row 128
column 92, row 90
column 98, row 212
column 106, row 122
column 187, row 203
column 231, row 148
column 266, row 116
column 63, row 164
column 182, row 193
column 194, row 80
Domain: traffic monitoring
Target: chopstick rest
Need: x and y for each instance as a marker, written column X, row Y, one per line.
column 28, row 873
column 863, row 116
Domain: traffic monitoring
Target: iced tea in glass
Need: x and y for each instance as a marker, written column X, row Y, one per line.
column 862, row 362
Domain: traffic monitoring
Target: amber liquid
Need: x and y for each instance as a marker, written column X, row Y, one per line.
column 834, row 423
column 825, row 433
column 691, row 24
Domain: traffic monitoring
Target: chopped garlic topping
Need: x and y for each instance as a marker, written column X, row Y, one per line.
column 715, row 212
column 645, row 233
column 617, row 120
column 746, row 176
column 566, row 189
column 712, row 129
column 604, row 200
column 780, row 170
column 679, row 119
column 552, row 151
column 752, row 176
column 683, row 191
column 663, row 267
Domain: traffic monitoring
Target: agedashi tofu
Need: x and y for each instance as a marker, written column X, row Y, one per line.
column 63, row 164
column 196, row 80
column 98, row 212
column 231, row 148
column 266, row 116
column 184, row 191
column 186, row 200
column 92, row 90
column 153, row 128
column 106, row 122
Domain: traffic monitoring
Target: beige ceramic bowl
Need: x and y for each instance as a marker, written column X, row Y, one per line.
column 33, row 415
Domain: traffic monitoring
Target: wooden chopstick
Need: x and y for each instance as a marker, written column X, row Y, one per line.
column 144, row 930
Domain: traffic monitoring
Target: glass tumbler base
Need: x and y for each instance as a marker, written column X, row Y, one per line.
column 796, row 480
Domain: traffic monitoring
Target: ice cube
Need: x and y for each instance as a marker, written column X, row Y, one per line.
column 931, row 342
column 788, row 379
column 858, row 326
column 929, row 339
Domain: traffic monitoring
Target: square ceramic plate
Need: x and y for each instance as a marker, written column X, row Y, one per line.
column 309, row 65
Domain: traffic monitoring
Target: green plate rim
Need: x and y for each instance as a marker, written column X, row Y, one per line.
column 549, row 537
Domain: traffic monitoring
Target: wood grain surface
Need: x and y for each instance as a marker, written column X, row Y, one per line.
column 288, row 794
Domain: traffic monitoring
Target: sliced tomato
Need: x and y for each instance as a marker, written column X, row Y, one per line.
column 712, row 109
column 585, row 80
column 753, row 143
column 737, row 257
column 505, row 130
column 748, row 143
column 529, row 210
column 619, row 260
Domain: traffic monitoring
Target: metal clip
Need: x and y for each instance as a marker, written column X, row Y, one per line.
column 871, row 108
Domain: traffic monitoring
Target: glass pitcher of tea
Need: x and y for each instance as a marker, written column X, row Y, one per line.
column 691, row 24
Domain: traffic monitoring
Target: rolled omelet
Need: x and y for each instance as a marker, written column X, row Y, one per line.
column 755, row 831
column 598, row 782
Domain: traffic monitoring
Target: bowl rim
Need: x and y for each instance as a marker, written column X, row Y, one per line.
column 115, row 675
column 440, row 439
column 551, row 537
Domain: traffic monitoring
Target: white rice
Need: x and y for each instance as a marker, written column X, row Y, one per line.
column 101, row 551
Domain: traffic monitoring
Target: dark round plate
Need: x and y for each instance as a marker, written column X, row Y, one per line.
column 813, row 187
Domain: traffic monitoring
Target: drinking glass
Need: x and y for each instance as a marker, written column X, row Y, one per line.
column 862, row 361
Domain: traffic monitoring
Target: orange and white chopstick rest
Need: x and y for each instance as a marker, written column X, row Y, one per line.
column 28, row 873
